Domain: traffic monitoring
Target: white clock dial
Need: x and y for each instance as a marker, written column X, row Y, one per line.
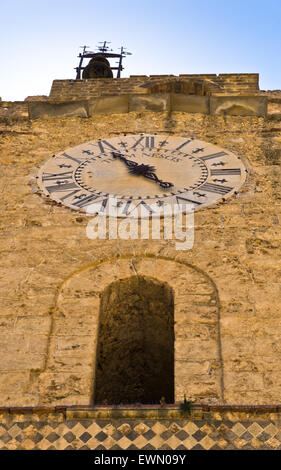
column 153, row 170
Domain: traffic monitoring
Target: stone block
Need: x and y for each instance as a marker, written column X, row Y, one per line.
column 37, row 344
column 244, row 381
column 14, row 382
column 239, row 105
column 82, row 324
column 65, row 384
column 20, row 361
column 116, row 104
column 149, row 102
column 37, row 324
column 73, row 344
column 72, row 364
column 193, row 350
column 42, row 109
column 13, row 344
column 189, row 103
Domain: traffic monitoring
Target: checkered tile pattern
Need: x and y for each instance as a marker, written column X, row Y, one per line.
column 136, row 434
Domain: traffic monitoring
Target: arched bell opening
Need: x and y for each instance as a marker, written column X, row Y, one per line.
column 135, row 347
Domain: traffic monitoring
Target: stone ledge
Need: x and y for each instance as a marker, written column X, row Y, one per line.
column 45, row 109
column 238, row 105
column 145, row 102
column 251, row 105
column 190, row 103
column 148, row 411
column 115, row 104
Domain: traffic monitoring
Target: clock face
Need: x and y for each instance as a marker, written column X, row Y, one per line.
column 153, row 171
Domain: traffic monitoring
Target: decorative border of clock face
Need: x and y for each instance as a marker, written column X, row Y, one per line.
column 142, row 169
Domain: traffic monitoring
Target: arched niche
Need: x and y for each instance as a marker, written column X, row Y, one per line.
column 69, row 377
column 186, row 86
column 135, row 343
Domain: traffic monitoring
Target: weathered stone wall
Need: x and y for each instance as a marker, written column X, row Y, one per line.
column 13, row 110
column 237, row 248
column 67, row 90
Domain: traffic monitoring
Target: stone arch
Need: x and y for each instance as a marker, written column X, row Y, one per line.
column 189, row 86
column 186, row 86
column 235, row 109
column 70, row 367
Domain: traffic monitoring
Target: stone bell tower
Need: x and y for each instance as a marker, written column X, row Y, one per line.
column 114, row 343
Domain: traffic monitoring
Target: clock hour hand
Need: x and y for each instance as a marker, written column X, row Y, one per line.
column 144, row 170
column 149, row 173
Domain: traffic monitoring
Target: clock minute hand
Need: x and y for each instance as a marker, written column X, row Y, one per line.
column 144, row 170
column 129, row 163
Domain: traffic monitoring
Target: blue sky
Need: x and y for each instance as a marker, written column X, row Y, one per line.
column 40, row 39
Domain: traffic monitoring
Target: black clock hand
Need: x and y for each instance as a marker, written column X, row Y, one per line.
column 144, row 170
column 152, row 176
column 129, row 163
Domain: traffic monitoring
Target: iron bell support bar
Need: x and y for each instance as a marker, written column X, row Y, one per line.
column 105, row 52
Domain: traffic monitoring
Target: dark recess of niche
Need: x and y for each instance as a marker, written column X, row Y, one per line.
column 135, row 353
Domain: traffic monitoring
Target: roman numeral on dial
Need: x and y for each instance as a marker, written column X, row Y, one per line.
column 63, row 181
column 101, row 144
column 226, row 171
column 147, row 141
column 57, row 176
column 183, row 145
column 213, row 155
column 85, row 201
column 145, row 205
column 215, row 188
column 60, row 187
column 104, row 204
column 190, row 201
column 69, row 195
column 65, row 155
column 127, row 207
